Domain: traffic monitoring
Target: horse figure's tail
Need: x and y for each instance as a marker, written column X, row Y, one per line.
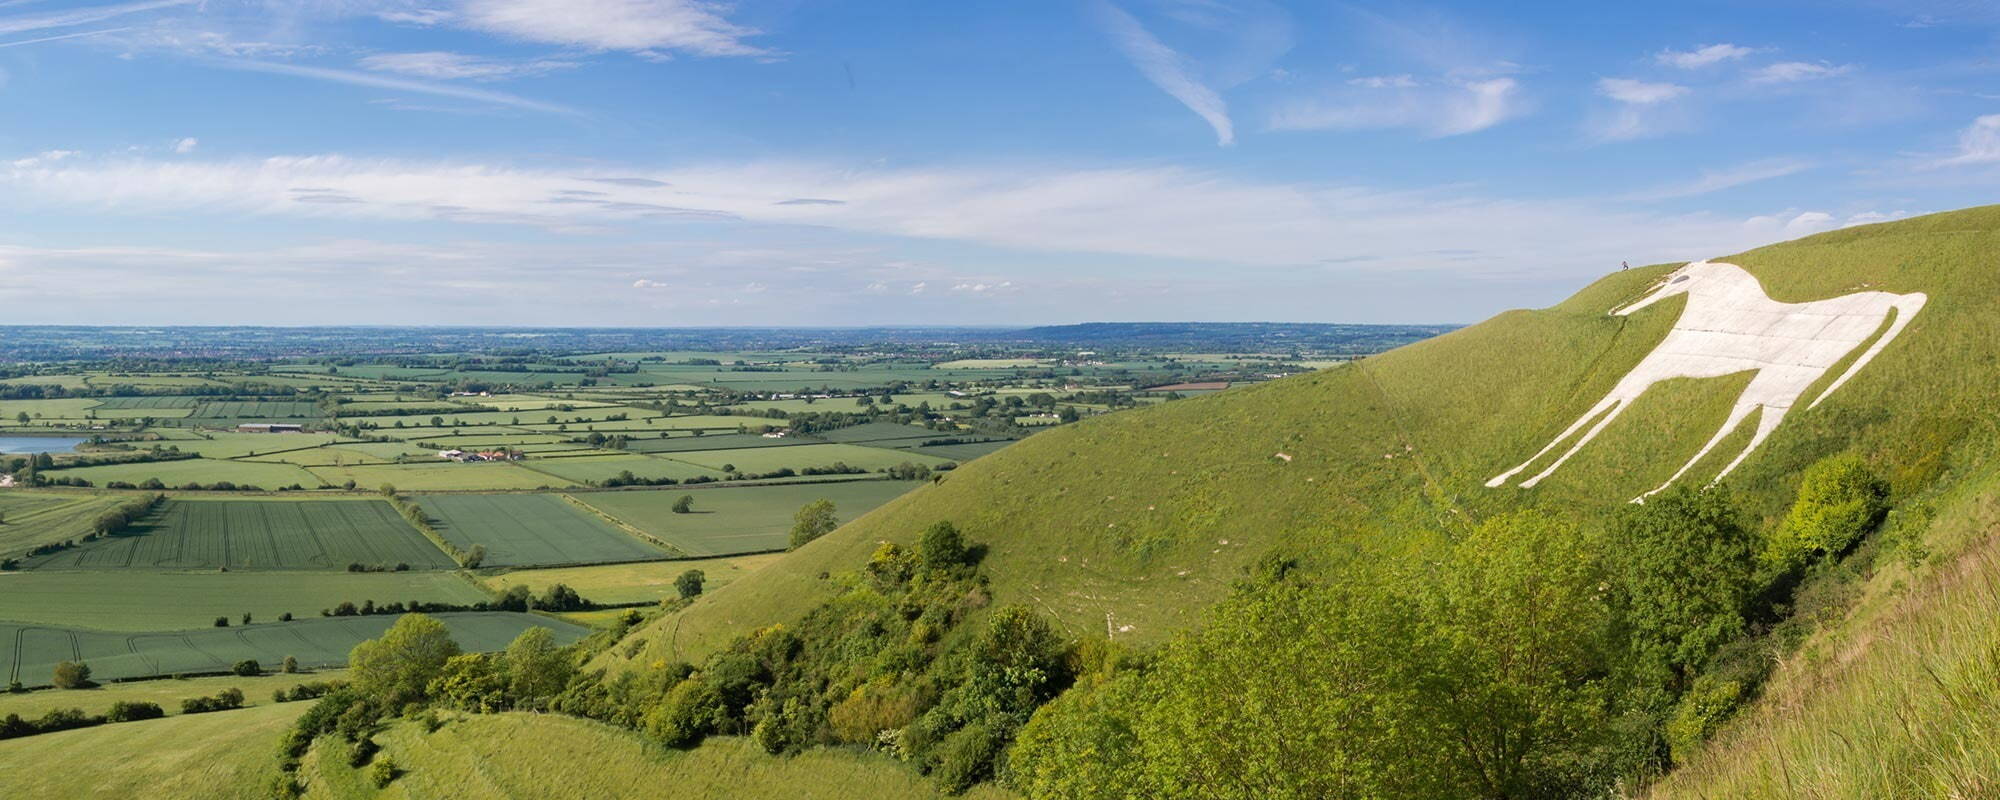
column 1906, row 306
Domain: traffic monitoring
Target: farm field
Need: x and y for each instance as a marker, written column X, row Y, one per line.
column 770, row 459
column 139, row 600
column 641, row 582
column 259, row 409
column 590, row 470
column 33, row 650
column 198, row 470
column 744, row 519
column 323, row 457
column 439, row 476
column 237, row 445
column 193, row 757
column 958, row 452
column 719, row 441
column 252, row 535
column 877, row 432
column 532, row 529
column 166, row 692
column 29, row 520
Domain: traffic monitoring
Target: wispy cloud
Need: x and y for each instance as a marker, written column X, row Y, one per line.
column 186, row 145
column 688, row 26
column 394, row 84
column 1715, row 180
column 1643, row 109
column 1440, row 108
column 1795, row 71
column 1635, row 92
column 62, row 37
column 439, row 65
column 1704, row 56
column 80, row 16
column 1979, row 143
column 1167, row 69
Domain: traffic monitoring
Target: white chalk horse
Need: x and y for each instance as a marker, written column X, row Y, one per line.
column 1731, row 326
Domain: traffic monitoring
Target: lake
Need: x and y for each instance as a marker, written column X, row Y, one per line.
column 39, row 444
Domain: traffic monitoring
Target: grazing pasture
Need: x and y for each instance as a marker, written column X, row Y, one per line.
column 958, row 452
column 180, row 757
column 438, row 476
column 738, row 519
column 139, row 600
column 32, row 519
column 206, row 471
column 594, row 469
column 641, row 582
column 30, row 652
column 871, row 432
column 237, row 445
column 720, row 441
column 254, row 534
column 532, row 529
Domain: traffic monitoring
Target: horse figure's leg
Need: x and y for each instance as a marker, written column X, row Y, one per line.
column 1588, row 435
column 1765, row 424
column 1736, row 416
column 1607, row 402
column 1906, row 306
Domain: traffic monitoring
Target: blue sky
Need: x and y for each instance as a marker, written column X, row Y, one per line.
column 801, row 162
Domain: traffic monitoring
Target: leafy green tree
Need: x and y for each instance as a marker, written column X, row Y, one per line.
column 248, row 668
column 1840, row 499
column 1687, row 564
column 689, row 584
column 470, row 682
column 684, row 504
column 291, row 665
column 690, row 711
column 398, row 667
column 536, row 668
column 941, row 547
column 71, row 675
column 813, row 520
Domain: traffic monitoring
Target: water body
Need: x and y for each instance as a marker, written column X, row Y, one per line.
column 39, row 444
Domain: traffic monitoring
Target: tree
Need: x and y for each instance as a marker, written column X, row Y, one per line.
column 291, row 665
column 248, row 668
column 1839, row 501
column 246, row 617
column 942, row 547
column 1686, row 567
column 222, row 622
column 688, row 585
column 813, row 520
column 684, row 505
column 536, row 668
column 72, row 675
column 398, row 667
column 475, row 556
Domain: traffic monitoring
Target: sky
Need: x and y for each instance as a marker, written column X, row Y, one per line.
column 811, row 162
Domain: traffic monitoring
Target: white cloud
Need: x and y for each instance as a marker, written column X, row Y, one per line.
column 1384, row 82
column 187, row 145
column 81, row 16
column 438, row 65
column 1979, row 143
column 396, row 84
column 1626, row 90
column 1702, row 56
column 1442, row 108
column 646, row 283
column 689, row 26
column 1718, row 180
column 1795, row 71
column 1168, row 70
column 42, row 158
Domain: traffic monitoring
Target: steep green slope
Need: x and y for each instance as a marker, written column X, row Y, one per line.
column 1133, row 523
column 225, row 754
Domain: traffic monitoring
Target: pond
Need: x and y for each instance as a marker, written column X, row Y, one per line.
column 39, row 444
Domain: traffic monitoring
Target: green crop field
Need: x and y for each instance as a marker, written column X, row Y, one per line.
column 595, row 469
column 259, row 409
column 197, row 470
column 720, row 441
column 432, row 477
column 639, row 582
column 138, row 600
column 237, row 445
column 323, row 457
column 252, row 534
column 738, row 519
column 167, row 693
column 770, row 459
column 30, row 519
column 193, row 757
column 532, row 529
column 33, row 650
column 880, row 432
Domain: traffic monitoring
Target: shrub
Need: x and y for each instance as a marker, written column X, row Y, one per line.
column 688, row 585
column 72, row 675
column 941, row 547
column 131, row 711
column 383, row 772
column 1701, row 711
column 684, row 505
column 1839, row 501
column 813, row 520
column 290, row 666
column 248, row 668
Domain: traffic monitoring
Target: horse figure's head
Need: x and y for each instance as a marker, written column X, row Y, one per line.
column 1680, row 281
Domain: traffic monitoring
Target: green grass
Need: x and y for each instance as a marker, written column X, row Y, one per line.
column 719, row 441
column 1145, row 517
column 167, row 692
column 546, row 755
column 771, row 459
column 641, row 582
column 139, row 600
column 35, row 518
column 237, row 445
column 197, row 470
column 744, row 519
column 197, row 757
column 251, row 534
column 437, row 477
column 532, row 529
column 32, row 651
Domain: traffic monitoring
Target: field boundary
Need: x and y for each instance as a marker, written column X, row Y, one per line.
column 626, row 527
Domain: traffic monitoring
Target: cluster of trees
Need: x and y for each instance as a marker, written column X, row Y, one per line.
column 63, row 719
column 224, row 700
column 1541, row 659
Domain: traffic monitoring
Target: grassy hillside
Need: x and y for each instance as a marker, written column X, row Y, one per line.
column 540, row 755
column 219, row 755
column 1133, row 523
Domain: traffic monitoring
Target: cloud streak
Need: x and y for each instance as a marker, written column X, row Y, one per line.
column 1166, row 69
column 1443, row 108
column 80, row 16
column 394, row 84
